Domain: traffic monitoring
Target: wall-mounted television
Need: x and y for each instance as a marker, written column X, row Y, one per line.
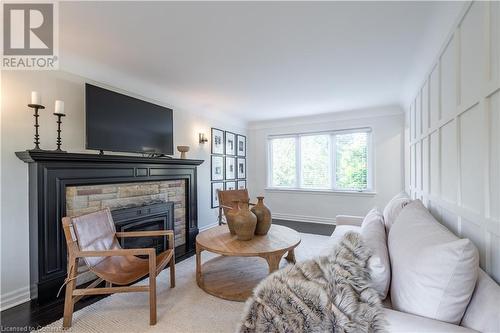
column 121, row 123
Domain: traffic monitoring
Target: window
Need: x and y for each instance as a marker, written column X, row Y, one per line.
column 283, row 166
column 315, row 161
column 338, row 161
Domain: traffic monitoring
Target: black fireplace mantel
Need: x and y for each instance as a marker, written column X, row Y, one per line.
column 50, row 173
column 30, row 156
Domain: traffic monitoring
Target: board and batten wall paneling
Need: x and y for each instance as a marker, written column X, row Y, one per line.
column 454, row 142
column 435, row 160
column 434, row 97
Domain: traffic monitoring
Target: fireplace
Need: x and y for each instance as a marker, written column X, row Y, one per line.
column 133, row 201
column 67, row 184
column 155, row 216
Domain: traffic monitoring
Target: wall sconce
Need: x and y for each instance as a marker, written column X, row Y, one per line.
column 202, row 138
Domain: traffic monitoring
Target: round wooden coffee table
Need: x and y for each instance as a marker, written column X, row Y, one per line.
column 241, row 266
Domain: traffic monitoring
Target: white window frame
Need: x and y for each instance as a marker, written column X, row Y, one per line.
column 332, row 163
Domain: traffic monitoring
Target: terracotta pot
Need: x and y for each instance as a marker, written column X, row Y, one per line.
column 230, row 216
column 263, row 215
column 244, row 222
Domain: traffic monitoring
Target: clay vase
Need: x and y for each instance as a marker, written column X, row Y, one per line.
column 230, row 216
column 244, row 222
column 263, row 215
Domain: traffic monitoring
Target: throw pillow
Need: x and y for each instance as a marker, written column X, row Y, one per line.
column 433, row 271
column 393, row 208
column 374, row 236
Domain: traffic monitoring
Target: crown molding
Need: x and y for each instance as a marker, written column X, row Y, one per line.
column 375, row 112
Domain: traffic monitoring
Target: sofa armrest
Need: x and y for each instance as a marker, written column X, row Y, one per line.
column 349, row 220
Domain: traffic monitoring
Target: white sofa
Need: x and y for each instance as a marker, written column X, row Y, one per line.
column 481, row 312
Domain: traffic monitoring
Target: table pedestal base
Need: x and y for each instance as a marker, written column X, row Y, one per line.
column 234, row 278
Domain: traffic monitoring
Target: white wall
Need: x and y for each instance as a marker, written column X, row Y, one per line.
column 17, row 135
column 322, row 207
column 454, row 145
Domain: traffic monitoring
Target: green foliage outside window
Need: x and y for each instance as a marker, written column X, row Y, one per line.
column 315, row 161
column 283, row 162
column 352, row 161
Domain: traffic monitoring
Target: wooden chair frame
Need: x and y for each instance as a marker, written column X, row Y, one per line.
column 223, row 206
column 73, row 294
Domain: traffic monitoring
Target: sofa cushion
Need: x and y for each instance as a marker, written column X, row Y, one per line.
column 433, row 271
column 394, row 207
column 483, row 311
column 404, row 322
column 373, row 234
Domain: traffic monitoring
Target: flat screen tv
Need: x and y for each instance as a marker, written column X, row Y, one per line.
column 121, row 123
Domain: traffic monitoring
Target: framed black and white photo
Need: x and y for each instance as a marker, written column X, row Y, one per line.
column 230, row 143
column 216, row 187
column 241, row 168
column 217, row 141
column 217, row 166
column 242, row 184
column 241, row 145
column 230, row 167
column 230, row 186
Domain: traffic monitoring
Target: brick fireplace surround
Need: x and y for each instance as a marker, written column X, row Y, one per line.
column 67, row 184
column 86, row 199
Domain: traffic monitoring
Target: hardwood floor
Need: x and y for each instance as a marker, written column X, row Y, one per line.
column 30, row 316
column 308, row 228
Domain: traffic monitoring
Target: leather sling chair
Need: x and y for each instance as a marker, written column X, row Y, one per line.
column 93, row 238
column 229, row 200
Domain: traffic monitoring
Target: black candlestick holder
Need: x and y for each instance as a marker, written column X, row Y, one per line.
column 36, row 107
column 59, row 116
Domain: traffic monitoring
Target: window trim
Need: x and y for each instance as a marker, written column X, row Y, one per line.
column 370, row 190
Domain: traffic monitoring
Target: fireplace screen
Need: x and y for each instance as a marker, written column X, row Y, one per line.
column 157, row 216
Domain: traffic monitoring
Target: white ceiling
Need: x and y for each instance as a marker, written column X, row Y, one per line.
column 257, row 60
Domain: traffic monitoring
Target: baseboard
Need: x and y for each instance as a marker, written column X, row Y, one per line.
column 304, row 218
column 288, row 217
column 208, row 226
column 13, row 298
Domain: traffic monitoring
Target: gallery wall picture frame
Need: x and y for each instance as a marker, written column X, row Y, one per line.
column 216, row 167
column 242, row 184
column 217, row 141
column 216, row 187
column 230, row 167
column 230, row 185
column 230, row 143
column 241, row 168
column 241, row 144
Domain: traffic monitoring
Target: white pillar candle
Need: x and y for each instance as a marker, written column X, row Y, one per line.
column 36, row 98
column 59, row 108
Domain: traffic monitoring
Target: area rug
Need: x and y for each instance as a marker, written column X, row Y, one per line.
column 185, row 308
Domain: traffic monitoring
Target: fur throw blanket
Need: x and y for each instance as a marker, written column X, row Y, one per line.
column 325, row 294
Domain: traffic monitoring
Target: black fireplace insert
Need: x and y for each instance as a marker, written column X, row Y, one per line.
column 153, row 216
